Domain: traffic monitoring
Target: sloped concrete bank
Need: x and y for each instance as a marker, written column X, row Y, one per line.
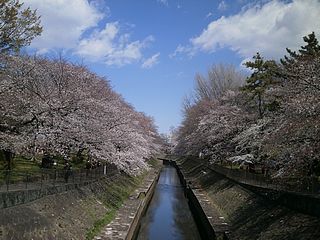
column 304, row 203
column 236, row 212
column 298, row 201
column 76, row 214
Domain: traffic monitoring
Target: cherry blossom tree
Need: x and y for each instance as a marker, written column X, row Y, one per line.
column 221, row 124
column 212, row 116
column 61, row 108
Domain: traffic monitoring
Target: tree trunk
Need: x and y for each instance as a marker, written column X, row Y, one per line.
column 8, row 157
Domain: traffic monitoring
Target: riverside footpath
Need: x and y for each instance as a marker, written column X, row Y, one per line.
column 126, row 222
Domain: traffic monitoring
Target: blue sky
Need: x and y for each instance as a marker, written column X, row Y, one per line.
column 150, row 50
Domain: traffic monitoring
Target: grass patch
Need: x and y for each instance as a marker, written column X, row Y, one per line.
column 153, row 162
column 21, row 167
column 21, row 164
column 99, row 224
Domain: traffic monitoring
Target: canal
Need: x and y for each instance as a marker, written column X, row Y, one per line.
column 168, row 215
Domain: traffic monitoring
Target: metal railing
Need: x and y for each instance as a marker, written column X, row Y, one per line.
column 308, row 185
column 43, row 178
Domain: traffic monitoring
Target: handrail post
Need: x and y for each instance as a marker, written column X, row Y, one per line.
column 26, row 180
column 41, row 180
column 105, row 169
column 55, row 177
column 8, row 179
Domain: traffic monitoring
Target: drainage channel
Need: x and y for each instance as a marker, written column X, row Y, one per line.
column 168, row 216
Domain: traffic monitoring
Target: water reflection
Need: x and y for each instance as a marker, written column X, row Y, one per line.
column 168, row 216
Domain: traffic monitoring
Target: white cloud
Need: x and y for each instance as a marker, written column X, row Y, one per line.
column 209, row 15
column 100, row 43
column 164, row 2
column 222, row 6
column 101, row 5
column 268, row 28
column 150, row 62
column 189, row 50
column 112, row 47
column 63, row 21
column 76, row 25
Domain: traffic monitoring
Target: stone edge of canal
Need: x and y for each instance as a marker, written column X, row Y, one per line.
column 209, row 222
column 127, row 221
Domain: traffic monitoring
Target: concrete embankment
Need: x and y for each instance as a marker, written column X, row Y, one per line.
column 236, row 212
column 79, row 213
column 210, row 223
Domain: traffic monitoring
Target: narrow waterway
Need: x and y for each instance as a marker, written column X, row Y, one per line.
column 168, row 215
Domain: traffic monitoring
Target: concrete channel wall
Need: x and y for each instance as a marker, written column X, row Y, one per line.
column 197, row 204
column 205, row 228
column 134, row 227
